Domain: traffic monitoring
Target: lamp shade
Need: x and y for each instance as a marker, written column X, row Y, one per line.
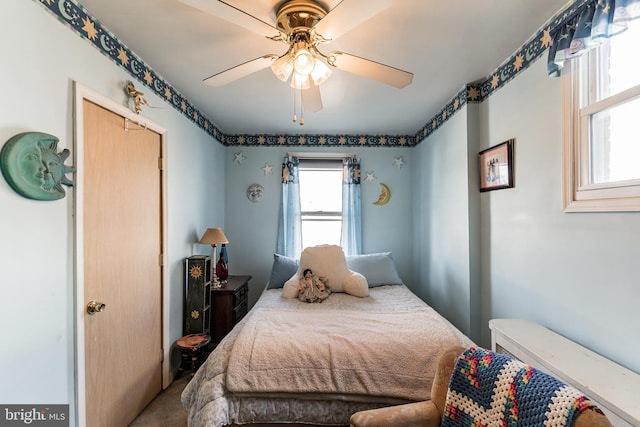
column 213, row 236
column 320, row 72
column 282, row 67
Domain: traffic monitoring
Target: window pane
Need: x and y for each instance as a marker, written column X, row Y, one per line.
column 615, row 144
column 321, row 190
column 600, row 170
column 320, row 233
column 618, row 64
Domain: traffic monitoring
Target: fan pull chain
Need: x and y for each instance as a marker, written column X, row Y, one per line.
column 295, row 98
column 301, row 108
column 295, row 118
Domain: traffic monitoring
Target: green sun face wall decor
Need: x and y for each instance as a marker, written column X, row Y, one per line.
column 33, row 168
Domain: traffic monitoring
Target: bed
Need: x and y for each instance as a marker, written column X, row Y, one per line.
column 293, row 362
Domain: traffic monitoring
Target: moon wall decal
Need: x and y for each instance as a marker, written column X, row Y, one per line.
column 385, row 195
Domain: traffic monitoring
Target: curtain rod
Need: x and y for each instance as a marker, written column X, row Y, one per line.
column 320, row 155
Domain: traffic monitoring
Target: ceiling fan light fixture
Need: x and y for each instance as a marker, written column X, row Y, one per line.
column 320, row 72
column 303, row 61
column 283, row 67
column 302, row 25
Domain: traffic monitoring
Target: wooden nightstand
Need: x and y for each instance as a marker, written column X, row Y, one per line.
column 230, row 304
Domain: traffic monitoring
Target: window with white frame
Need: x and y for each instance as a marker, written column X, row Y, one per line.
column 321, row 201
column 601, row 140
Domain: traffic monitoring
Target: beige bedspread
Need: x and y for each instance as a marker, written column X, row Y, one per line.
column 352, row 353
column 209, row 401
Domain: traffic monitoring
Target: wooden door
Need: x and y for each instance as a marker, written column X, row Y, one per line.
column 122, row 211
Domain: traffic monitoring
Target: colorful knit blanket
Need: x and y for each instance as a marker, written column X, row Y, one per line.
column 491, row 389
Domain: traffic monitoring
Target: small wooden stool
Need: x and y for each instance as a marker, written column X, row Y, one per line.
column 192, row 348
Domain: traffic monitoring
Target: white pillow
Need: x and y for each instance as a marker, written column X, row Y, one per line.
column 327, row 261
column 355, row 284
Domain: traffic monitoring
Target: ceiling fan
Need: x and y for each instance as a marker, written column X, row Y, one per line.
column 303, row 25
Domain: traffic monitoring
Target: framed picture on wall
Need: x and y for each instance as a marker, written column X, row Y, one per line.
column 496, row 166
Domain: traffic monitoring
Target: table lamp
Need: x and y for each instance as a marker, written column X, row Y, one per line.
column 213, row 237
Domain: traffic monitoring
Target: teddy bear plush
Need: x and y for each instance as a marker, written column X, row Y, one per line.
column 328, row 262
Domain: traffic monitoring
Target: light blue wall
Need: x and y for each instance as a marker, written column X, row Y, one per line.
column 576, row 273
column 41, row 60
column 252, row 227
column 444, row 267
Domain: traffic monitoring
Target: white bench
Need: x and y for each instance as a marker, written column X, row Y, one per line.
column 614, row 388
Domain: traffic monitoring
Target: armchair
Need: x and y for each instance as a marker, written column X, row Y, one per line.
column 430, row 413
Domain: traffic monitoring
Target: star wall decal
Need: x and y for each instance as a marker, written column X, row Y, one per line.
column 370, row 176
column 268, row 169
column 122, row 56
column 495, row 81
column 517, row 64
column 90, row 29
column 398, row 162
column 473, row 93
column 239, row 157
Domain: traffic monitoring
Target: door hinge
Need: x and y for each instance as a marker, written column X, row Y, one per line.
column 160, row 260
column 161, row 163
column 161, row 355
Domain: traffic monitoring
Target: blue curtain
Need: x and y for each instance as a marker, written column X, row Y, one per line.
column 587, row 26
column 351, row 235
column 290, row 222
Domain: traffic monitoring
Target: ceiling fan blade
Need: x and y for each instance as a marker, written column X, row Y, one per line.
column 311, row 99
column 349, row 14
column 239, row 71
column 374, row 70
column 232, row 14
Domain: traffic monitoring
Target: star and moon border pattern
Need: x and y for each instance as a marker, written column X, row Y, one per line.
column 75, row 16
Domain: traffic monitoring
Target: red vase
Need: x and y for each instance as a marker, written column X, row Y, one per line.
column 222, row 270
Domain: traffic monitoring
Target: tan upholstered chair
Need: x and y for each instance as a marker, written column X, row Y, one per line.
column 429, row 413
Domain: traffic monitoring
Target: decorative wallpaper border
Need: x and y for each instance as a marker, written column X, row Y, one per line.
column 74, row 15
column 518, row 62
column 319, row 140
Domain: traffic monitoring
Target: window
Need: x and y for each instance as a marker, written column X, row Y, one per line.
column 321, row 201
column 601, row 138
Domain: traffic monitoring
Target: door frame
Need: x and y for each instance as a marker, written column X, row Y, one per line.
column 81, row 93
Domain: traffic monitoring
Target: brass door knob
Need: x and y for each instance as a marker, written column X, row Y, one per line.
column 95, row 307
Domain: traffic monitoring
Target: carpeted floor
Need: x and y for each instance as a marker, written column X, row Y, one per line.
column 165, row 410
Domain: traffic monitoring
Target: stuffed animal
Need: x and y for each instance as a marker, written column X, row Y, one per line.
column 327, row 261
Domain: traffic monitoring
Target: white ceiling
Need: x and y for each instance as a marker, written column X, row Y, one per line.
column 445, row 44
